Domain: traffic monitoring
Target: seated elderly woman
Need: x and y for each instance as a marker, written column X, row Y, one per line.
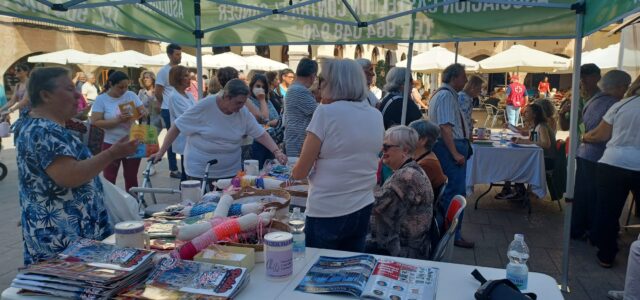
column 428, row 134
column 214, row 128
column 61, row 195
column 403, row 209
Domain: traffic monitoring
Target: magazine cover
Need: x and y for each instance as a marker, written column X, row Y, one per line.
column 198, row 277
column 338, row 275
column 104, row 255
column 364, row 276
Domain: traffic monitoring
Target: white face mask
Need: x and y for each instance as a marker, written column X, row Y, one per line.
column 258, row 91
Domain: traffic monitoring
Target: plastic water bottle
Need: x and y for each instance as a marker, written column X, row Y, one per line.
column 296, row 222
column 517, row 270
column 503, row 138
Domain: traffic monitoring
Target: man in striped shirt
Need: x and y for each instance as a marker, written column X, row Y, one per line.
column 453, row 145
column 299, row 105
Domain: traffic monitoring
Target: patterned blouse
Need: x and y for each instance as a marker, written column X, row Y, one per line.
column 54, row 216
column 402, row 214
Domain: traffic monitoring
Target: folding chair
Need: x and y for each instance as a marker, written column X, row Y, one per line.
column 444, row 250
column 493, row 112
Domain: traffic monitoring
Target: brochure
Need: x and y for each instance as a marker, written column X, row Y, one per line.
column 365, row 276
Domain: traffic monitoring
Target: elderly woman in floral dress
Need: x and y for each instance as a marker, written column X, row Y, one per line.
column 403, row 207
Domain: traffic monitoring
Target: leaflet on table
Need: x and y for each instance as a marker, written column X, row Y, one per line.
column 394, row 280
column 198, row 277
column 338, row 275
column 104, row 255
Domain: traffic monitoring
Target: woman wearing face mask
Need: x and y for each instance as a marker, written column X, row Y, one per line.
column 259, row 97
column 214, row 128
column 115, row 112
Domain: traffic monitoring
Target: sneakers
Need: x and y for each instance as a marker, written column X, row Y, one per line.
column 175, row 174
column 505, row 194
column 462, row 243
column 152, row 171
column 616, row 295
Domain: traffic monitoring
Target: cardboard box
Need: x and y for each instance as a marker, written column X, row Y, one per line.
column 228, row 255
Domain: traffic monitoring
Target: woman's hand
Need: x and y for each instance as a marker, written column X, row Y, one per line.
column 280, row 156
column 155, row 158
column 124, row 118
column 123, row 148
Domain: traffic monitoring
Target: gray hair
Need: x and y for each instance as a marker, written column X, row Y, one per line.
column 236, row 87
column 403, row 136
column 451, row 72
column 343, row 79
column 426, row 130
column 614, row 79
column 395, row 79
column 44, row 79
column 363, row 62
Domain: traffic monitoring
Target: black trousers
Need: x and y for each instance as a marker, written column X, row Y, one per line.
column 585, row 198
column 613, row 187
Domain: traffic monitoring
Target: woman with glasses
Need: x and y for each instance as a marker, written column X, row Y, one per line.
column 342, row 144
column 115, row 111
column 20, row 99
column 403, row 209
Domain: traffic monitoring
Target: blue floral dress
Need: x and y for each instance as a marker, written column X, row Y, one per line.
column 54, row 216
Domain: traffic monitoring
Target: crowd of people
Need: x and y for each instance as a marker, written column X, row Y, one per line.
column 375, row 185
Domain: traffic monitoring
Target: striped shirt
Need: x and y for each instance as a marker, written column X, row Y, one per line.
column 299, row 105
column 444, row 108
column 466, row 106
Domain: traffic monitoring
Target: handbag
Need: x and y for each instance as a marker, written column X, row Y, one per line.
column 502, row 289
column 277, row 132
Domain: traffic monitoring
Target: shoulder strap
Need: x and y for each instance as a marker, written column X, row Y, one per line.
column 386, row 106
column 623, row 104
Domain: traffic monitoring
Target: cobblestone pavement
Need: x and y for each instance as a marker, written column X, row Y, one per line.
column 491, row 226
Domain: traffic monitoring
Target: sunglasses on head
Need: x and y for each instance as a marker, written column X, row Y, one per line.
column 386, row 147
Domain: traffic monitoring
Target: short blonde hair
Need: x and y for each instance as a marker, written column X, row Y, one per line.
column 403, row 136
column 141, row 79
column 343, row 79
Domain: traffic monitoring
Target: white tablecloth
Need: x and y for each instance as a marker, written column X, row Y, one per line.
column 455, row 281
column 495, row 164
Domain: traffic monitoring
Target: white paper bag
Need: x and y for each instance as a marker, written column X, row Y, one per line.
column 120, row 205
column 5, row 129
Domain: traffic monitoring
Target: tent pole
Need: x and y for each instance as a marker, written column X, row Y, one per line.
column 198, row 35
column 457, row 49
column 573, row 135
column 407, row 76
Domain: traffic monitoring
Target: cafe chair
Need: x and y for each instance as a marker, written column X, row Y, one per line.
column 444, row 250
column 493, row 113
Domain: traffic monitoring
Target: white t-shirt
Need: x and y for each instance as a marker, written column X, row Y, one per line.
column 163, row 80
column 623, row 149
column 212, row 134
column 90, row 91
column 109, row 107
column 372, row 99
column 178, row 104
column 344, row 175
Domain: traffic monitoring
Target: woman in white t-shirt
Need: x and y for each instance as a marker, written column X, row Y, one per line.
column 179, row 102
column 340, row 157
column 618, row 170
column 115, row 111
column 214, row 128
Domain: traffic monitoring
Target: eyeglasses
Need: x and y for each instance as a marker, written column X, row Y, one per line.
column 386, row 147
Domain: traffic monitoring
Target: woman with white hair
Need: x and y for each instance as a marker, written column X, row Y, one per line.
column 342, row 144
column 403, row 210
column 618, row 170
column 613, row 86
column 391, row 104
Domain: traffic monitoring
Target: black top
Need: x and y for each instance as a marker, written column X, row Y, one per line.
column 393, row 113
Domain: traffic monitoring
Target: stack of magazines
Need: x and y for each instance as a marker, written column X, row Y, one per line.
column 87, row 269
column 182, row 279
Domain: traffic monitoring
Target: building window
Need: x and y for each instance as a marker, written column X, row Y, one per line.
column 285, row 54
column 263, row 51
column 218, row 50
column 338, row 51
column 359, row 51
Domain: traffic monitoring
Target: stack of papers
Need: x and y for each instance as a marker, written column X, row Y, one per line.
column 87, row 269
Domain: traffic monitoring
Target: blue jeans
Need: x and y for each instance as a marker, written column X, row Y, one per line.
column 346, row 233
column 456, row 174
column 173, row 163
column 260, row 153
column 513, row 115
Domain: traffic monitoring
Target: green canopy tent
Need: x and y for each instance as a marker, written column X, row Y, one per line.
column 200, row 23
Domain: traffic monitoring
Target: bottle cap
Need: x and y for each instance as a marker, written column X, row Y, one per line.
column 518, row 237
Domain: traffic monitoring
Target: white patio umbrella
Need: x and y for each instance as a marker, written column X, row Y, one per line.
column 524, row 59
column 436, row 60
column 161, row 59
column 129, row 58
column 227, row 59
column 63, row 57
column 606, row 59
column 257, row 62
